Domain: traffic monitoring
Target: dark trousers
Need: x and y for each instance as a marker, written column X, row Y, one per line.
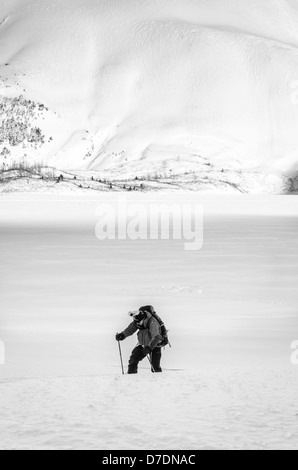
column 138, row 355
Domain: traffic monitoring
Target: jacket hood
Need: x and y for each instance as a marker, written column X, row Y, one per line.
column 146, row 321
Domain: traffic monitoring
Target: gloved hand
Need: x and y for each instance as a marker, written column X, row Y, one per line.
column 120, row 337
column 147, row 350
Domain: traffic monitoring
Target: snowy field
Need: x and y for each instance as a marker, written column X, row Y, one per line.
column 231, row 308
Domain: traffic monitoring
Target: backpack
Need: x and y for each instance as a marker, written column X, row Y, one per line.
column 163, row 330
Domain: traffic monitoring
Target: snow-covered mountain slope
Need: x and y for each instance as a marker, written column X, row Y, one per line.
column 134, row 84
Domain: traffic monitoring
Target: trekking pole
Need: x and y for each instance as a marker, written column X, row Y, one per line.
column 121, row 360
column 149, row 359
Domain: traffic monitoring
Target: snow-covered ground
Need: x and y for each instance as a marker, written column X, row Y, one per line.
column 140, row 86
column 231, row 308
column 208, row 409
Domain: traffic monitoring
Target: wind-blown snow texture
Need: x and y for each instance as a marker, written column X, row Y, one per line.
column 139, row 83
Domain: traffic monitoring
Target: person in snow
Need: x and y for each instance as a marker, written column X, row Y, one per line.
column 149, row 337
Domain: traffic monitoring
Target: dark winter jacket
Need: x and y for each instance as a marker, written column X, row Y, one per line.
column 148, row 335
